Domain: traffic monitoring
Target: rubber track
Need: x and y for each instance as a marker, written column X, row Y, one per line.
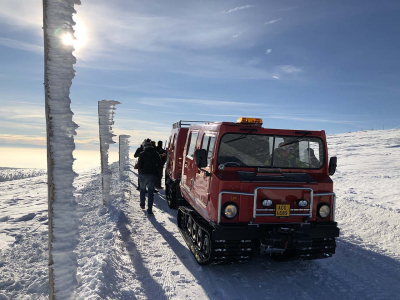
column 221, row 251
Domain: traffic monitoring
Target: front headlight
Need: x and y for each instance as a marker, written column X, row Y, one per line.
column 266, row 202
column 302, row 203
column 230, row 211
column 324, row 211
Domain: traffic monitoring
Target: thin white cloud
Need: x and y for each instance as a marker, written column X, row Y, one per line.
column 312, row 120
column 21, row 45
column 23, row 139
column 289, row 69
column 133, row 41
column 22, row 14
column 211, row 103
column 275, row 77
column 237, row 8
column 218, row 115
column 268, row 51
column 41, row 116
column 272, row 22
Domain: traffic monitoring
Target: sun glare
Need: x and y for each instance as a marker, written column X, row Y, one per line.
column 67, row 39
column 80, row 35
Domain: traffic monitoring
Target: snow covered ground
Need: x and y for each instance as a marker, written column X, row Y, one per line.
column 7, row 174
column 123, row 254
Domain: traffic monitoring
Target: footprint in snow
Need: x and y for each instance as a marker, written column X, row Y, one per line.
column 25, row 218
column 4, row 219
column 158, row 274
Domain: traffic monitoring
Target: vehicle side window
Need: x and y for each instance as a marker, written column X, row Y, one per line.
column 169, row 142
column 204, row 144
column 173, row 142
column 208, row 145
column 311, row 153
column 210, row 149
column 193, row 139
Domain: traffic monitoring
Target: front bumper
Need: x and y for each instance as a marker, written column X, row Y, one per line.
column 312, row 230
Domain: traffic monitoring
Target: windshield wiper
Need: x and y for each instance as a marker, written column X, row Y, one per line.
column 242, row 136
column 296, row 140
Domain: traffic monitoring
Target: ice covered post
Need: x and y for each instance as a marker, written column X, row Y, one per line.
column 123, row 154
column 106, row 119
column 63, row 219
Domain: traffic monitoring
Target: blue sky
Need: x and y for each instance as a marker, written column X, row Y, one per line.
column 330, row 65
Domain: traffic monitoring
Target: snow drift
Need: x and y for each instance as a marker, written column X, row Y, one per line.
column 7, row 174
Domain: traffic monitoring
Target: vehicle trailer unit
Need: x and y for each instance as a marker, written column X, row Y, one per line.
column 246, row 189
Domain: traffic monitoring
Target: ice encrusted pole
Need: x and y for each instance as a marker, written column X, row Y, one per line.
column 123, row 154
column 63, row 218
column 106, row 119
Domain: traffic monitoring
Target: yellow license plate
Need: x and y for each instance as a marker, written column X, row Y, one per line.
column 282, row 210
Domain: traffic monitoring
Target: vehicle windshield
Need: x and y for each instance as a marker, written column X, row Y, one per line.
column 256, row 150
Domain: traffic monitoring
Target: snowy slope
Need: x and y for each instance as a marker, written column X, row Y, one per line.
column 123, row 254
column 367, row 183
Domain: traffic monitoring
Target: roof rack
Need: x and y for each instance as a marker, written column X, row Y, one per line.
column 183, row 123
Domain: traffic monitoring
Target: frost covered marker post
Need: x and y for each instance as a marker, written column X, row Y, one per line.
column 123, row 154
column 63, row 219
column 106, row 119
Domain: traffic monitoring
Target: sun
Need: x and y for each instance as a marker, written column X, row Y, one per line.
column 78, row 40
column 67, row 39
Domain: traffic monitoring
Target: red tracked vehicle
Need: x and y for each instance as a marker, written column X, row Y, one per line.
column 173, row 166
column 245, row 189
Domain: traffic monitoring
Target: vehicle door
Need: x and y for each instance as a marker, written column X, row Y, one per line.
column 189, row 163
column 202, row 179
column 170, row 155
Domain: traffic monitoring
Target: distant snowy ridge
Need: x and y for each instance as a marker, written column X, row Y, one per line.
column 8, row 174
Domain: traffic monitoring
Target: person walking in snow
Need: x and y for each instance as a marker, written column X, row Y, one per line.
column 163, row 156
column 148, row 165
column 136, row 155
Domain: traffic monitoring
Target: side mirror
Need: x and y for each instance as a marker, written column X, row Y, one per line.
column 332, row 165
column 201, row 158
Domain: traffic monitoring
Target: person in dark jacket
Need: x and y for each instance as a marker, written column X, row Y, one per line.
column 163, row 156
column 136, row 155
column 139, row 150
column 148, row 163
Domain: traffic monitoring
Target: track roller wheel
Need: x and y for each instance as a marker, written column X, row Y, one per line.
column 206, row 245
column 194, row 232
column 189, row 225
column 171, row 197
column 199, row 238
column 182, row 220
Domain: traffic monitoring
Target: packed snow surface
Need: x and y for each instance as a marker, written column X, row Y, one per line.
column 124, row 254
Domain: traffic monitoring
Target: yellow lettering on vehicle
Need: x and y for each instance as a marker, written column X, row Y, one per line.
column 282, row 210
